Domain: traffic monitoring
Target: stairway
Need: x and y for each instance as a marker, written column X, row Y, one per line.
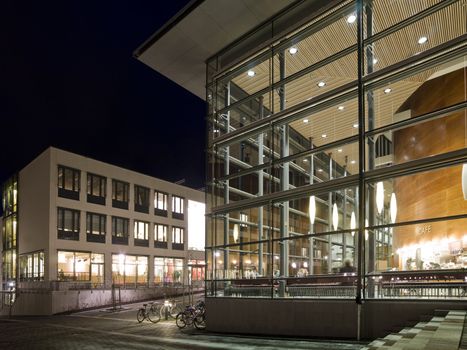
column 442, row 332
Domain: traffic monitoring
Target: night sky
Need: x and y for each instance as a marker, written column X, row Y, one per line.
column 68, row 79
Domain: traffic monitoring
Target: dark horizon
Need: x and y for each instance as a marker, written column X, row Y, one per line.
column 70, row 81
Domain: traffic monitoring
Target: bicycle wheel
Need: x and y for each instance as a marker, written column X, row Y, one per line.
column 154, row 315
column 180, row 320
column 200, row 322
column 140, row 316
column 175, row 310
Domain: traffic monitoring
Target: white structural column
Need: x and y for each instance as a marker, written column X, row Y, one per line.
column 312, row 226
column 284, row 210
column 226, row 183
column 330, row 211
column 260, row 191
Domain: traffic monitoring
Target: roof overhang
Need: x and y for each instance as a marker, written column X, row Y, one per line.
column 180, row 49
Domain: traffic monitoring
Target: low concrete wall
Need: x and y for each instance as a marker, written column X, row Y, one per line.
column 317, row 318
column 49, row 302
column 304, row 318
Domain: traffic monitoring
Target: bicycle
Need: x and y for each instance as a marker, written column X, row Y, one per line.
column 148, row 311
column 169, row 309
column 192, row 315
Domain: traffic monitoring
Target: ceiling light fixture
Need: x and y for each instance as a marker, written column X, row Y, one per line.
column 341, row 108
column 351, row 19
column 321, row 84
column 375, row 61
column 324, row 136
column 422, row 40
column 355, row 125
column 293, row 50
column 251, row 73
column 305, row 121
column 339, row 150
column 352, row 162
column 387, row 90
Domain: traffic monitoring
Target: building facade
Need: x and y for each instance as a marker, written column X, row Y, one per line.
column 337, row 176
column 71, row 222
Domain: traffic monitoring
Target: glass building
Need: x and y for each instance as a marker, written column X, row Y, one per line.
column 337, row 163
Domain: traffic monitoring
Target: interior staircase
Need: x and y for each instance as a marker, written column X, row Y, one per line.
column 446, row 330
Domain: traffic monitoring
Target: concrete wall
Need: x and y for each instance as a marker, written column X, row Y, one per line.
column 33, row 209
column 317, row 318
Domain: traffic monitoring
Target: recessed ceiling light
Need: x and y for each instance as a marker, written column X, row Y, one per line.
column 251, row 73
column 352, row 162
column 305, row 121
column 422, row 40
column 320, row 170
column 339, row 150
column 293, row 50
column 355, row 125
column 305, row 160
column 324, row 136
column 321, row 84
column 375, row 60
column 341, row 108
column 387, row 90
column 352, row 18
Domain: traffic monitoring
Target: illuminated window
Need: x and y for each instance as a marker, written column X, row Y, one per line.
column 119, row 226
column 96, row 189
column 31, row 266
column 129, row 269
column 160, row 203
column 177, row 235
column 74, row 266
column 168, row 270
column 160, row 233
column 141, row 230
column 177, row 207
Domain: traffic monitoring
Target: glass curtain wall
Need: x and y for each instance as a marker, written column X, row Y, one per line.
column 336, row 157
column 10, row 232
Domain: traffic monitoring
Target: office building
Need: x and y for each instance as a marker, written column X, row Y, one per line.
column 76, row 229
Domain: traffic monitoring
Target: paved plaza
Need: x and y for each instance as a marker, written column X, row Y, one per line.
column 107, row 329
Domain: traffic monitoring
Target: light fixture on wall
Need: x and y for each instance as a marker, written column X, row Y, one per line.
column 353, row 223
column 393, row 207
column 312, row 210
column 379, row 197
column 464, row 180
column 235, row 233
column 366, row 231
column 335, row 217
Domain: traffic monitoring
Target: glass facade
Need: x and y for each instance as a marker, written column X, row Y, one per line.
column 9, row 231
column 337, row 157
column 168, row 271
column 31, row 266
column 129, row 270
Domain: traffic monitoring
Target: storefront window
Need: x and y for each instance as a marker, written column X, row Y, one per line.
column 74, row 266
column 168, row 270
column 129, row 269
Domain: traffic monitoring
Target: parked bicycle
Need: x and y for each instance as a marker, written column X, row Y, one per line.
column 169, row 308
column 192, row 315
column 148, row 311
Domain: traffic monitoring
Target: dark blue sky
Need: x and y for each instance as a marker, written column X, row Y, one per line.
column 68, row 79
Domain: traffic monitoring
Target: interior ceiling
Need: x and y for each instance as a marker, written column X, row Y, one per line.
column 336, row 123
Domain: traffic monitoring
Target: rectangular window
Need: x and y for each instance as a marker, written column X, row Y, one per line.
column 177, row 238
column 95, row 227
column 96, row 189
column 178, row 207
column 160, row 236
column 168, row 270
column 68, row 182
column 68, row 224
column 129, row 270
column 74, row 266
column 31, row 266
column 120, row 230
column 142, row 199
column 97, row 269
column 160, row 203
column 141, row 233
column 120, row 194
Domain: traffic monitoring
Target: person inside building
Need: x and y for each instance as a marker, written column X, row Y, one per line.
column 347, row 267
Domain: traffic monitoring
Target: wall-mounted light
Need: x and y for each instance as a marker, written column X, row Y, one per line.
column 393, row 207
column 235, row 233
column 464, row 180
column 312, row 210
column 379, row 196
column 335, row 217
column 353, row 223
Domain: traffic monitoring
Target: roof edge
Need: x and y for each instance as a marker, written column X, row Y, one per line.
column 180, row 15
